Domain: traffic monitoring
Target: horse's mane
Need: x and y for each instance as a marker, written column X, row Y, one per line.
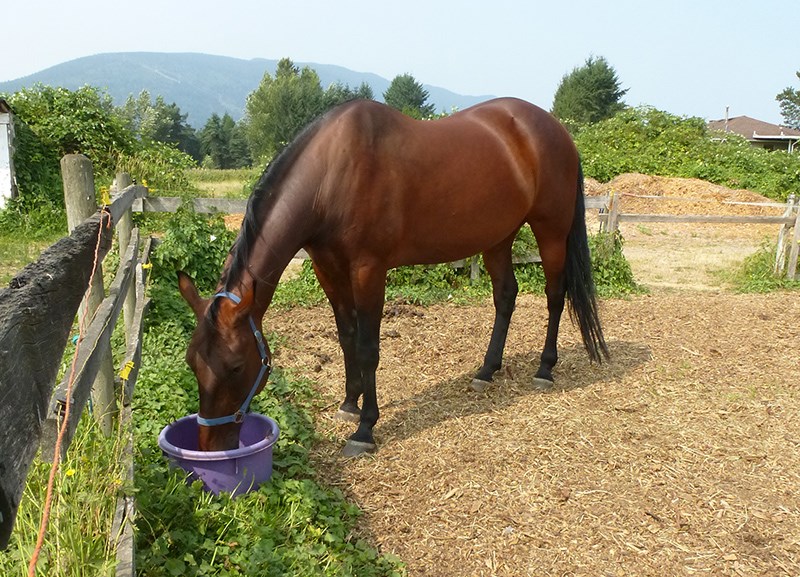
column 262, row 198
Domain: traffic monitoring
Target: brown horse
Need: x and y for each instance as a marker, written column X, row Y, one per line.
column 364, row 189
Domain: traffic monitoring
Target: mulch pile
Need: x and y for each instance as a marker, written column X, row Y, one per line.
column 646, row 194
column 679, row 456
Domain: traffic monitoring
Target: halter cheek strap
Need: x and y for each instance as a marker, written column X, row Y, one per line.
column 238, row 416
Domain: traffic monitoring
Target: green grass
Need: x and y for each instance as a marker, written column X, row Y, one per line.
column 223, row 183
column 755, row 275
column 16, row 252
column 292, row 525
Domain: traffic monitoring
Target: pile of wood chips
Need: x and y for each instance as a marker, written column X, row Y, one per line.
column 679, row 196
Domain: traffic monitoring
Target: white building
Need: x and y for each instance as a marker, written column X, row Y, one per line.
column 8, row 184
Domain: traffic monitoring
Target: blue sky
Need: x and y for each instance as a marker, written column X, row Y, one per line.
column 688, row 57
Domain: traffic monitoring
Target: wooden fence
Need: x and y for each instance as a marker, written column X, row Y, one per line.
column 786, row 257
column 608, row 206
column 37, row 314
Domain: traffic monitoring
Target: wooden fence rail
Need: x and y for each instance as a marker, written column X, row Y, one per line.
column 786, row 257
column 37, row 311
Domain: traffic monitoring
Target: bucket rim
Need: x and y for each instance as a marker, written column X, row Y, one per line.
column 194, row 455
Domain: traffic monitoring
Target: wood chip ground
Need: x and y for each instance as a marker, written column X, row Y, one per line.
column 680, row 456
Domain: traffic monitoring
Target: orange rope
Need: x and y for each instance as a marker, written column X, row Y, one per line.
column 62, row 431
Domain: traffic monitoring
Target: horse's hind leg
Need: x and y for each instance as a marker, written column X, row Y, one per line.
column 504, row 289
column 553, row 255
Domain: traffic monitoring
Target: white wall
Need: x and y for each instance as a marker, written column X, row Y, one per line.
column 7, row 185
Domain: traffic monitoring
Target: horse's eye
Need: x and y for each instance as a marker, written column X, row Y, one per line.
column 237, row 369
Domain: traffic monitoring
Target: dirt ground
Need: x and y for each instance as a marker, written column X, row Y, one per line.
column 680, row 456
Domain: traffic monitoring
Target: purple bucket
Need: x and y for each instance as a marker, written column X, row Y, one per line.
column 236, row 471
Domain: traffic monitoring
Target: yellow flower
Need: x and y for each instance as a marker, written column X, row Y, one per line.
column 70, row 472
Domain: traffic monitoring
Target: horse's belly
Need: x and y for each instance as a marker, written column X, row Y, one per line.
column 453, row 237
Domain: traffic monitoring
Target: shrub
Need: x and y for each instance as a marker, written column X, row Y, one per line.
column 650, row 141
column 755, row 275
column 195, row 244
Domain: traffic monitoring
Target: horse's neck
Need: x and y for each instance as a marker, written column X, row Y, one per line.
column 285, row 229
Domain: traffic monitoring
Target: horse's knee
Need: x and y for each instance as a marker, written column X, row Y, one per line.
column 368, row 356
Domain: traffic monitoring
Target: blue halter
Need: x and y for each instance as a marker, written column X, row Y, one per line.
column 238, row 416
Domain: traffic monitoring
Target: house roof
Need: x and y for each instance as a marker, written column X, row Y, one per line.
column 753, row 129
column 4, row 107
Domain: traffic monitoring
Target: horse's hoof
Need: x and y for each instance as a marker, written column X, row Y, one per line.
column 347, row 416
column 479, row 385
column 541, row 384
column 356, row 448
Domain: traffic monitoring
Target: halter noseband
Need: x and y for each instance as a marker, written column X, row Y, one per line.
column 238, row 416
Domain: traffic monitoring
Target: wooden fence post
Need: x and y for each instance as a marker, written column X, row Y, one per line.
column 613, row 212
column 124, row 235
column 79, row 198
column 791, row 268
column 782, row 247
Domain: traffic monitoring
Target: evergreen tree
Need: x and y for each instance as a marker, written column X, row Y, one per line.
column 338, row 93
column 159, row 122
column 588, row 94
column 408, row 96
column 281, row 107
column 223, row 143
column 789, row 100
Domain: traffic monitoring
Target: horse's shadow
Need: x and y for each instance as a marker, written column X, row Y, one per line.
column 453, row 398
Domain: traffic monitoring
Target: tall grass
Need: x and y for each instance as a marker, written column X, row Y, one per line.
column 88, row 482
column 755, row 274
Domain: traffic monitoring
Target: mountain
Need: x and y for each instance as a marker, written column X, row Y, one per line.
column 201, row 84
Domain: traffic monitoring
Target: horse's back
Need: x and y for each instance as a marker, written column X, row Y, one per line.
column 431, row 191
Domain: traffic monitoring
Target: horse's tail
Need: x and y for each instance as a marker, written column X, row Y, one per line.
column 579, row 281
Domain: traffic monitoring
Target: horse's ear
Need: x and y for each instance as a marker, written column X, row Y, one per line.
column 189, row 293
column 248, row 297
column 231, row 313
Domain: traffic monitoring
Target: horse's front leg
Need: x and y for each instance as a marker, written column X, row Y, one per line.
column 335, row 281
column 347, row 329
column 369, row 297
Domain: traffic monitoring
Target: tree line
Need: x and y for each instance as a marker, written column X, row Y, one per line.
column 152, row 140
column 275, row 112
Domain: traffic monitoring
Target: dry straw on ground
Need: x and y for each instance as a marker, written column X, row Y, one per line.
column 680, row 456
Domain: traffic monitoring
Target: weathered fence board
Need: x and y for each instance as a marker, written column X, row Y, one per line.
column 791, row 269
column 703, row 218
column 203, row 205
column 37, row 311
column 122, row 527
column 122, row 531
column 596, row 202
column 610, row 219
column 133, row 356
column 234, row 206
column 93, row 347
column 124, row 200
